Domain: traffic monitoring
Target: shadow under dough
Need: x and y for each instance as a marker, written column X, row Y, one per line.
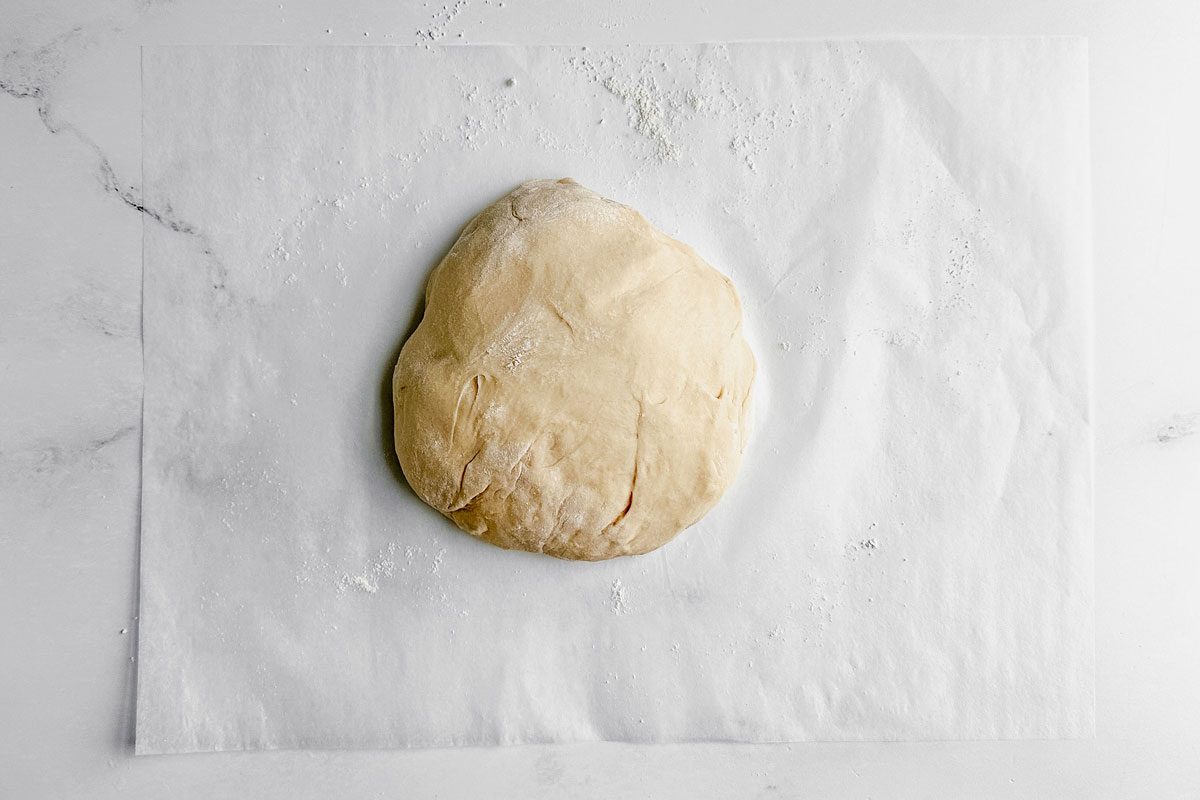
column 387, row 410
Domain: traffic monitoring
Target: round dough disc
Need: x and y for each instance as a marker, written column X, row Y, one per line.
column 579, row 382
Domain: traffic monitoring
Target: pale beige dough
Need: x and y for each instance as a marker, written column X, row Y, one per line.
column 579, row 383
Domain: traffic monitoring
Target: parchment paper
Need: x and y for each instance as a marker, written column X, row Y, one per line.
column 906, row 553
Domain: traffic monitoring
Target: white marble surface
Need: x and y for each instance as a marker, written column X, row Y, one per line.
column 70, row 234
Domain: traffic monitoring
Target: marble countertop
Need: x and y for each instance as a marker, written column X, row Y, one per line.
column 70, row 403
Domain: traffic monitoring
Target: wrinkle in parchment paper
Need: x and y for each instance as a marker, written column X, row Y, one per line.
column 906, row 553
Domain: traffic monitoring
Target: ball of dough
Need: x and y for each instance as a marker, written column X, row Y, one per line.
column 579, row 382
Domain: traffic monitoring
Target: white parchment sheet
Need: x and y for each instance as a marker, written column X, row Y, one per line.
column 906, row 553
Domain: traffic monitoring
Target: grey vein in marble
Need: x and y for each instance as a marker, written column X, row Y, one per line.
column 26, row 78
column 1181, row 426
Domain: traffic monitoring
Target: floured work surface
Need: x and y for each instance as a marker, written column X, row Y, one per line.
column 906, row 553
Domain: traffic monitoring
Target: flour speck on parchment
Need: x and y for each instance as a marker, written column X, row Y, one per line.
column 670, row 106
column 617, row 599
column 649, row 109
column 369, row 576
column 447, row 23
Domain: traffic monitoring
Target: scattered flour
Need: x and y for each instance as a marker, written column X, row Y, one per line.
column 863, row 546
column 649, row 108
column 618, row 602
column 663, row 101
column 440, row 22
column 369, row 579
column 898, row 338
column 363, row 583
column 960, row 272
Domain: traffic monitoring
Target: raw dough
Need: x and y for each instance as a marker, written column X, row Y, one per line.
column 579, row 383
